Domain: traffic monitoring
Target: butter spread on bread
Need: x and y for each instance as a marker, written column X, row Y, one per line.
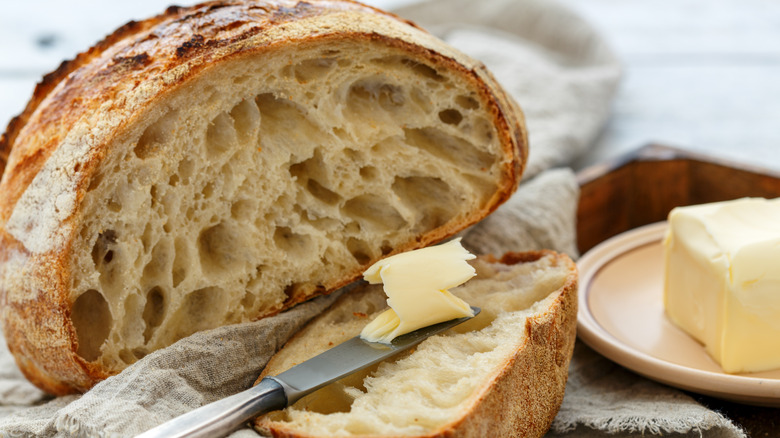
column 222, row 162
column 501, row 374
column 722, row 280
column 417, row 285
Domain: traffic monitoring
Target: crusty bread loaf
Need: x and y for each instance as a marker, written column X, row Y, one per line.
column 502, row 374
column 222, row 162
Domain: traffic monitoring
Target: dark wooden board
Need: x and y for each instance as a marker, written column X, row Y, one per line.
column 643, row 186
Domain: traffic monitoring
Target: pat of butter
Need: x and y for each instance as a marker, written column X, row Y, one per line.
column 722, row 280
column 416, row 284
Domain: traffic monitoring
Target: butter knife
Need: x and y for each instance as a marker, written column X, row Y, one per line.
column 277, row 392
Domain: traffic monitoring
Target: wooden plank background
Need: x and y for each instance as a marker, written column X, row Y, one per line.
column 702, row 75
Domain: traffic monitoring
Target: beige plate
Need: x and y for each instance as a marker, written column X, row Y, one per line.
column 621, row 316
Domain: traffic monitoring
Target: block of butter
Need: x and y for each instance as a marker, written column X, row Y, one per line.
column 722, row 280
column 417, row 285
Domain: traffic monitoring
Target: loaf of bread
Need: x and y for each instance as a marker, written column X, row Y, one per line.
column 501, row 374
column 222, row 162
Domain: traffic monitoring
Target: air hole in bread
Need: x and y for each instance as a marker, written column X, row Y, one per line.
column 92, row 320
column 246, row 117
column 126, row 356
column 154, row 195
column 157, row 268
column 181, row 261
column 221, row 135
column 243, row 210
column 374, row 213
column 292, row 243
column 323, row 194
column 363, row 96
column 369, row 173
column 147, row 236
column 208, row 190
column 296, row 290
column 285, row 126
column 307, row 174
column 190, row 213
column 467, row 102
column 114, row 204
column 186, row 169
column 212, row 94
column 309, row 168
column 95, row 181
column 354, row 155
column 256, row 279
column 424, row 70
column 218, row 247
column 434, row 194
column 421, row 100
column 310, row 69
column 390, row 97
column 248, row 301
column 359, row 250
column 341, row 134
column 448, row 148
column 171, row 202
column 156, row 136
column 450, row 116
column 287, row 72
column 101, row 250
column 154, row 311
column 420, row 69
column 386, row 248
column 481, row 128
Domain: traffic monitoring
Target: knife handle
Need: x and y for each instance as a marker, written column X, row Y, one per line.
column 221, row 417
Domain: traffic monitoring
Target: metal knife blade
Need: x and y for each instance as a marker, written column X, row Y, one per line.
column 277, row 392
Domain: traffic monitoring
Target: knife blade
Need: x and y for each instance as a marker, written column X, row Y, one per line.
column 277, row 392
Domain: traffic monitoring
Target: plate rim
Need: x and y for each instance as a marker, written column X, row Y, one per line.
column 741, row 388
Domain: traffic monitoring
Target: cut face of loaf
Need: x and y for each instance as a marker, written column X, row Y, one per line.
column 218, row 178
column 501, row 374
column 244, row 195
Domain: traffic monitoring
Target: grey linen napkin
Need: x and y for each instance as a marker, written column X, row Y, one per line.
column 564, row 77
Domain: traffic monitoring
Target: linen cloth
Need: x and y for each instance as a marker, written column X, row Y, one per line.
column 564, row 76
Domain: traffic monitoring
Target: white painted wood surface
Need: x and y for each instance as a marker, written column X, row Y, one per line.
column 699, row 74
column 703, row 75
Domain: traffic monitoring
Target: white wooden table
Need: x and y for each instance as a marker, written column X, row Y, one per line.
column 699, row 74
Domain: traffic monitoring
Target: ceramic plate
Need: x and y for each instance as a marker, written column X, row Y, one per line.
column 621, row 315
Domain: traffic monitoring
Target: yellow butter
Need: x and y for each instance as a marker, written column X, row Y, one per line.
column 416, row 284
column 722, row 280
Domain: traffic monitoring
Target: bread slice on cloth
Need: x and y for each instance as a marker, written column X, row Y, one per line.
column 222, row 162
column 501, row 374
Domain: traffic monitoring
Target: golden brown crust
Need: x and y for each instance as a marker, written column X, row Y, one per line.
column 524, row 398
column 157, row 56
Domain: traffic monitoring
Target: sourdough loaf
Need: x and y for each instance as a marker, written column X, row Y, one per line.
column 502, row 374
column 222, row 162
